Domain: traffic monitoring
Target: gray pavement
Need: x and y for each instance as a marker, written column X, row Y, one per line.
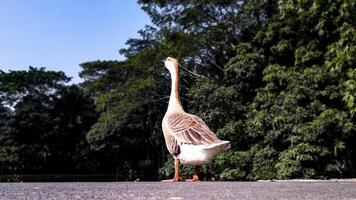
column 183, row 190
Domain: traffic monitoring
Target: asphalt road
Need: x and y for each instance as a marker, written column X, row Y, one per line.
column 175, row 191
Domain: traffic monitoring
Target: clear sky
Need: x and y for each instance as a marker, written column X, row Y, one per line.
column 61, row 34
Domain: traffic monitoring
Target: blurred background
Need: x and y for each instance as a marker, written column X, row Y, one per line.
column 83, row 93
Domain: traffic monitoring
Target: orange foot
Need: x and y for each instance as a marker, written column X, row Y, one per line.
column 175, row 179
column 194, row 179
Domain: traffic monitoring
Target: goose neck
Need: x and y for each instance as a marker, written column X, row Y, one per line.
column 174, row 100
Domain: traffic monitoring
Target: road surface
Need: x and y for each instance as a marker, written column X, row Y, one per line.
column 176, row 191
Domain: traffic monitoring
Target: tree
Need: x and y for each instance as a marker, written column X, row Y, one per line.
column 290, row 107
column 35, row 82
column 9, row 149
column 72, row 115
column 127, row 130
column 275, row 78
column 298, row 122
column 130, row 95
column 45, row 131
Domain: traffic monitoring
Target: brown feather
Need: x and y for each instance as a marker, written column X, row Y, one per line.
column 172, row 145
column 190, row 129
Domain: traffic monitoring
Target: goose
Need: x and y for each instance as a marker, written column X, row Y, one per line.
column 188, row 139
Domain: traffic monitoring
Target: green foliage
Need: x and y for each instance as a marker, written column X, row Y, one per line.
column 276, row 78
column 9, row 149
column 299, row 110
column 16, row 84
column 263, row 162
column 128, row 130
column 44, row 131
column 231, row 165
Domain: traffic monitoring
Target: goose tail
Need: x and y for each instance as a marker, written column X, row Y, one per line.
column 220, row 145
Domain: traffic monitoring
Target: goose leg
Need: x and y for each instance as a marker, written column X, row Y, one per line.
column 196, row 176
column 176, row 173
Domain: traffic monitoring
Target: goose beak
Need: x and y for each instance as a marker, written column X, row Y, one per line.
column 163, row 61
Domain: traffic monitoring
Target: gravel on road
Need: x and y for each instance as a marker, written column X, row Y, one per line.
column 322, row 190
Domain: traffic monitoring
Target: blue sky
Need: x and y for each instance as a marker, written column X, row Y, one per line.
column 61, row 34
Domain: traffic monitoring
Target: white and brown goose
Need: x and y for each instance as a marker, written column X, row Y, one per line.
column 187, row 137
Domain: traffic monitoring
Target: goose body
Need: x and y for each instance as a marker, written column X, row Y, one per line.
column 187, row 137
column 190, row 140
column 201, row 154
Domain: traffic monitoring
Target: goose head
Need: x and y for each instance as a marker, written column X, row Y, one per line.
column 171, row 64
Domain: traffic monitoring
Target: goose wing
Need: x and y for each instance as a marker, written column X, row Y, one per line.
column 172, row 145
column 190, row 129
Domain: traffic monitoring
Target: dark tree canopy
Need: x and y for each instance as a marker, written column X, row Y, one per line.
column 272, row 79
column 36, row 81
column 44, row 123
